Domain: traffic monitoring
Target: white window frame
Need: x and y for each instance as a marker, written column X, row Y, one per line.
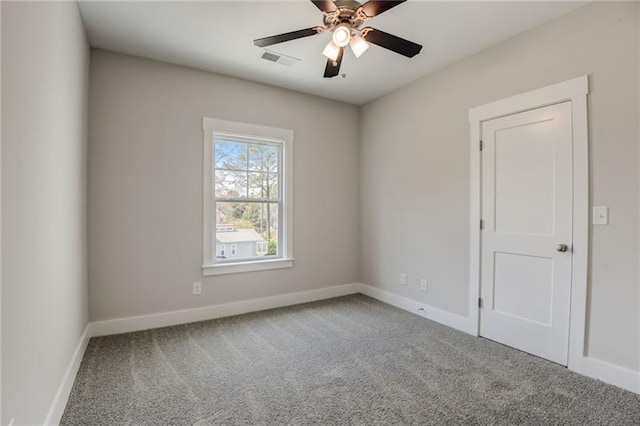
column 245, row 131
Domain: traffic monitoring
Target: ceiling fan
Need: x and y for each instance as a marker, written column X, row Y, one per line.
column 344, row 18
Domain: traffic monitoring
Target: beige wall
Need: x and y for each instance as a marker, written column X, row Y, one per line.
column 638, row 122
column 45, row 64
column 145, row 186
column 1, row 418
column 415, row 167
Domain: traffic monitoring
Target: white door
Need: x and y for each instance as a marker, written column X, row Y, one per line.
column 527, row 231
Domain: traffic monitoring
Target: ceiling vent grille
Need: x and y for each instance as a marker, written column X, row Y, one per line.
column 279, row 58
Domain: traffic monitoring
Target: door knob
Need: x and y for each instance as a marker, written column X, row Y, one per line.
column 562, row 247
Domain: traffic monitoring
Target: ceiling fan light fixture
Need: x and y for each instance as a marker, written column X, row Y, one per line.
column 342, row 35
column 331, row 50
column 358, row 45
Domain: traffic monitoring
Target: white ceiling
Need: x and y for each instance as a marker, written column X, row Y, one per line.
column 218, row 36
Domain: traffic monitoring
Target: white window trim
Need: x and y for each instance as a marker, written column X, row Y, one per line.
column 211, row 125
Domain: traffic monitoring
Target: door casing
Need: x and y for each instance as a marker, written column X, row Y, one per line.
column 576, row 91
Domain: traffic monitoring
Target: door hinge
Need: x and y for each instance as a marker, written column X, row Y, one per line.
column 479, row 302
column 480, row 145
column 481, row 224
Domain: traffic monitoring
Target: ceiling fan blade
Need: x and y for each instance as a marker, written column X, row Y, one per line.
column 293, row 35
column 391, row 42
column 325, row 5
column 376, row 7
column 332, row 70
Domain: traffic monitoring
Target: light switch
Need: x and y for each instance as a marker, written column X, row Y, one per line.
column 600, row 215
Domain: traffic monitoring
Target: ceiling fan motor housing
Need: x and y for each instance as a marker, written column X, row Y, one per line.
column 347, row 13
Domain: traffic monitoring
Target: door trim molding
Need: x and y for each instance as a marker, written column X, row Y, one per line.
column 576, row 91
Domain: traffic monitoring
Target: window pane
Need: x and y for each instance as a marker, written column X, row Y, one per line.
column 251, row 228
column 263, row 185
column 263, row 158
column 230, row 155
column 230, row 184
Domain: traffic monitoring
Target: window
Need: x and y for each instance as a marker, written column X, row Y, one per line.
column 247, row 190
column 261, row 249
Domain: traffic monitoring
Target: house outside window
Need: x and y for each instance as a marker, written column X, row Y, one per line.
column 247, row 197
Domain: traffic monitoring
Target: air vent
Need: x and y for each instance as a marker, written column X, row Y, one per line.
column 270, row 57
column 279, row 58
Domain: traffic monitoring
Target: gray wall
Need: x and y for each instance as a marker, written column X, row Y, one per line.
column 45, row 64
column 415, row 167
column 638, row 122
column 145, row 186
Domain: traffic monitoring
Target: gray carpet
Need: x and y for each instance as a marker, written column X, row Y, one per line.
column 351, row 360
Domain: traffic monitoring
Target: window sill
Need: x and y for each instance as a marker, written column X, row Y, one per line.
column 235, row 268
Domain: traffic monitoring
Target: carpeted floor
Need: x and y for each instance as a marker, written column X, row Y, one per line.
column 351, row 360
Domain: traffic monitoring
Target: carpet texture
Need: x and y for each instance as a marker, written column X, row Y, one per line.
column 350, row 360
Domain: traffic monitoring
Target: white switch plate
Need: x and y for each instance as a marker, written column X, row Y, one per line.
column 423, row 284
column 600, row 215
column 197, row 289
column 403, row 279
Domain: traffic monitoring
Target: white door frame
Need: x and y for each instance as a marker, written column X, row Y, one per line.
column 576, row 91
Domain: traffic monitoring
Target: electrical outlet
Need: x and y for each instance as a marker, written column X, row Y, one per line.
column 423, row 284
column 403, row 278
column 197, row 289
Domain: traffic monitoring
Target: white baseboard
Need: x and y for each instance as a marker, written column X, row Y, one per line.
column 64, row 390
column 438, row 315
column 591, row 367
column 608, row 373
column 125, row 325
column 165, row 319
column 612, row 374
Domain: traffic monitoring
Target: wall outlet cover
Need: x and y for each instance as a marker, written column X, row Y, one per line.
column 600, row 215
